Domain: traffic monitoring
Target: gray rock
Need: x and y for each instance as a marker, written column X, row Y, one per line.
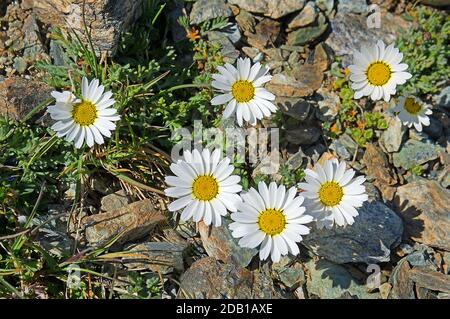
column 350, row 32
column 186, row 229
column 419, row 136
column 391, row 138
column 269, row 166
column 53, row 235
column 414, row 153
column 302, row 81
column 435, row 129
column 252, row 53
column 131, row 222
column 110, row 18
column 308, row 34
column 158, row 257
column 422, row 257
column 444, row 177
column 270, row 8
column 114, row 201
column 56, row 53
column 325, row 5
column 233, row 33
column 289, row 272
column 372, row 191
column 71, row 192
column 33, row 45
column 207, row 278
column 104, row 185
column 295, row 161
column 204, row 10
column 296, row 108
column 405, row 249
column 352, row 6
column 305, row 17
column 344, row 146
column 304, row 134
column 228, row 50
column 220, row 244
column 443, row 98
column 314, row 152
column 20, row 64
column 328, row 280
column 375, row 232
column 446, row 258
column 328, row 102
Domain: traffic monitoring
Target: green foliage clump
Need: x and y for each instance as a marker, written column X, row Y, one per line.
column 352, row 118
column 426, row 50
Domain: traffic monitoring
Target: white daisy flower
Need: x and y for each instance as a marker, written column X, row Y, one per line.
column 410, row 111
column 86, row 120
column 242, row 91
column 377, row 71
column 272, row 219
column 204, row 187
column 332, row 195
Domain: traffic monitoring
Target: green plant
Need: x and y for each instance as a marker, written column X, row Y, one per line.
column 352, row 118
column 291, row 178
column 417, row 170
column 426, row 50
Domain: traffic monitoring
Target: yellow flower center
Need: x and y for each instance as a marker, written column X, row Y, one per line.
column 330, row 193
column 84, row 113
column 378, row 73
column 205, row 187
column 271, row 221
column 411, row 106
column 243, row 91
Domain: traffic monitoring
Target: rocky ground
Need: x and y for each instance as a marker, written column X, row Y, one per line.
column 402, row 235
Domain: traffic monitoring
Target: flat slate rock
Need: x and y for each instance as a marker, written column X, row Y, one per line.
column 414, row 153
column 424, row 207
column 328, row 280
column 208, row 278
column 204, row 10
column 349, row 31
column 375, row 232
column 220, row 244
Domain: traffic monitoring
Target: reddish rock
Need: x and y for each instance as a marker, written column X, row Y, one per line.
column 18, row 96
column 265, row 35
column 424, row 207
column 135, row 220
column 430, row 279
column 303, row 81
column 402, row 285
column 377, row 167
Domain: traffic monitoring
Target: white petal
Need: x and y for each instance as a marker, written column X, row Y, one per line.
column 180, row 203
column 221, row 99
